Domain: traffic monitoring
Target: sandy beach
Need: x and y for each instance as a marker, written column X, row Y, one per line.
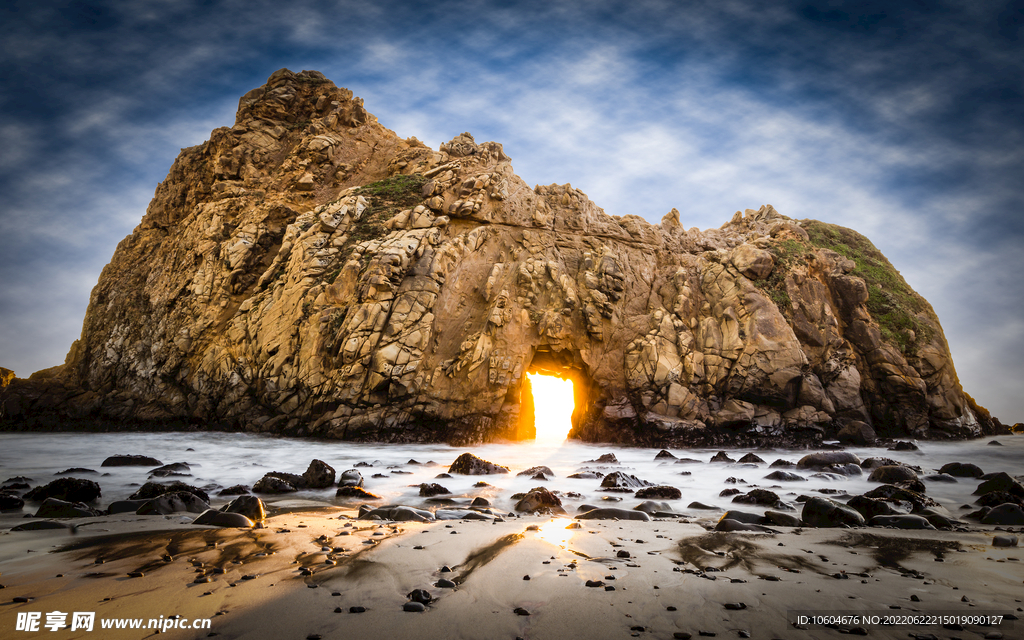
column 523, row 577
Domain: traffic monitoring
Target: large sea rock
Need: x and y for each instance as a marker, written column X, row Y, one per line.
column 306, row 271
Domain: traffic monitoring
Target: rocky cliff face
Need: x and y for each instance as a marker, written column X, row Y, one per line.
column 307, row 271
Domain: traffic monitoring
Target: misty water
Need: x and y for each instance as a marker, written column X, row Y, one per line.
column 224, row 459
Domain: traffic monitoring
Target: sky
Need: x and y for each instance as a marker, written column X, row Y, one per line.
column 903, row 120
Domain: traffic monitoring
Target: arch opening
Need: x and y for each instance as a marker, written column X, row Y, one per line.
column 553, row 406
column 574, row 397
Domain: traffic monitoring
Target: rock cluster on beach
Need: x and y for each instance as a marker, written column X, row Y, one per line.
column 308, row 272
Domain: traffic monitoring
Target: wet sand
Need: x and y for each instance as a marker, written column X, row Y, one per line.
column 300, row 576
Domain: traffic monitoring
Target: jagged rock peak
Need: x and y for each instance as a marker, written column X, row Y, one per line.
column 306, row 271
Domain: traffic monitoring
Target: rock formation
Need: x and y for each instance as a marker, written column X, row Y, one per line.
column 308, row 272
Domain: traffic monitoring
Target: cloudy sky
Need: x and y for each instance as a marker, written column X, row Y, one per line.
column 903, row 120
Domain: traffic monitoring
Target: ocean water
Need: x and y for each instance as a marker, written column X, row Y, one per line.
column 223, row 459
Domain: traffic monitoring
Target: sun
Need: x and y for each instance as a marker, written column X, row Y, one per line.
column 553, row 403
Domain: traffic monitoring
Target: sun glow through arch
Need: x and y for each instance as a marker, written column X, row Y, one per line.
column 553, row 403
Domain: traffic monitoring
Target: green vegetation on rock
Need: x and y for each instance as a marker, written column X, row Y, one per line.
column 891, row 301
column 387, row 197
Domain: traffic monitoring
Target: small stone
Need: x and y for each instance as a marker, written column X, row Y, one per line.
column 519, row 611
column 415, row 607
column 357, row 609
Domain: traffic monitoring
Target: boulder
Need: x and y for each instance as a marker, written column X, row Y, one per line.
column 351, row 478
column 827, row 459
column 249, row 506
column 318, row 475
column 751, row 458
column 762, row 497
column 124, row 506
column 871, row 507
column 900, row 495
column 469, row 465
column 172, row 469
column 273, row 484
column 785, row 476
column 664, row 455
column 132, row 460
column 659, row 493
column 1004, row 514
column 535, row 471
column 901, row 521
column 154, row 489
column 743, row 516
column 214, row 518
column 607, row 458
column 235, row 490
column 622, row 481
column 962, row 470
column 10, row 501
column 728, row 524
column 431, row 489
column 1001, row 481
column 174, row 502
column 890, row 474
column 822, row 512
column 781, row 519
column 54, row 508
column 398, row 513
column 608, row 513
column 540, row 500
column 721, row 456
column 68, row 489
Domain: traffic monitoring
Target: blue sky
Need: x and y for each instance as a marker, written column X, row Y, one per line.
column 903, row 120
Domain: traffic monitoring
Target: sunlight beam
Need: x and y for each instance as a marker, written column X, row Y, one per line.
column 553, row 403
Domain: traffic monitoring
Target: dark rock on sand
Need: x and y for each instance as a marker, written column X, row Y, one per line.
column 721, row 456
column 125, row 506
column 827, row 459
column 780, row 519
column 962, row 470
column 664, row 455
column 728, row 524
column 785, row 476
column 890, row 474
column 420, row 595
column 431, row 489
column 822, row 512
column 414, row 607
column 173, row 469
column 871, row 507
column 398, row 513
column 69, row 489
column 702, row 506
column 620, row 480
column 154, row 489
column 653, row 508
column 249, row 506
column 587, row 475
column 1004, row 541
column 895, row 494
column 903, row 445
column 318, row 475
column 131, row 461
column 55, row 508
column 273, row 484
column 532, row 471
column 10, row 501
column 212, row 517
column 236, row 490
column 355, row 492
column 609, row 513
column 743, row 516
column 1001, row 481
column 351, row 478
column 857, row 433
column 75, row 470
column 901, row 521
column 469, row 465
column 660, row 492
column 761, row 497
column 996, row 498
column 1004, row 514
column 750, row 458
column 175, row 502
column 540, row 500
